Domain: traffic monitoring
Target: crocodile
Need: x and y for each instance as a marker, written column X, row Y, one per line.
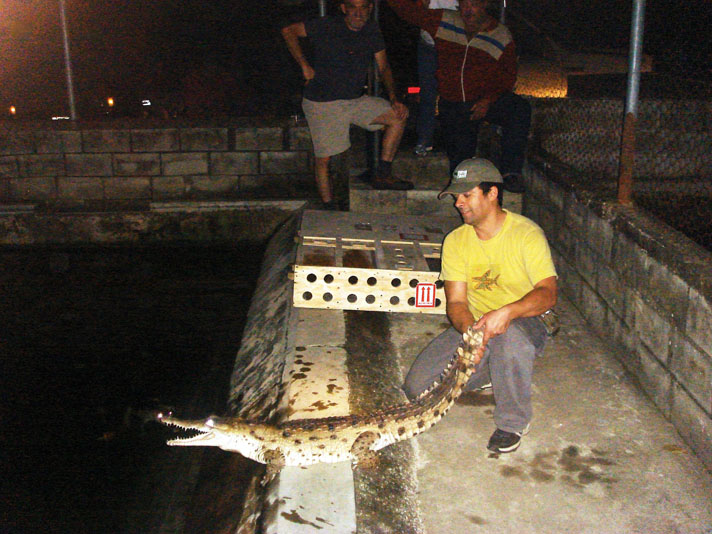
column 301, row 442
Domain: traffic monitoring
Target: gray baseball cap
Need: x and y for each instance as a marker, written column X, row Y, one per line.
column 469, row 174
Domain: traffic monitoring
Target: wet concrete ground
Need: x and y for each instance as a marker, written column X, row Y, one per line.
column 600, row 457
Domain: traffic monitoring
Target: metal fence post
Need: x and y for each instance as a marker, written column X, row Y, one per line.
column 627, row 157
column 376, row 90
column 67, row 61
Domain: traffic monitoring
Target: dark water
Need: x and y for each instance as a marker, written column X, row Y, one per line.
column 90, row 342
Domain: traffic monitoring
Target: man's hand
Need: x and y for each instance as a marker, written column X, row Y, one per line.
column 495, row 323
column 308, row 73
column 400, row 109
column 479, row 109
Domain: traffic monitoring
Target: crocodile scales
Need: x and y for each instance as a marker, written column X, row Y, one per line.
column 301, row 442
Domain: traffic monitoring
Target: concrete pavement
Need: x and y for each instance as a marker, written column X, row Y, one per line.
column 600, row 457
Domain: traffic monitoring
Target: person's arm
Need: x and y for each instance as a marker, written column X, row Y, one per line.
column 384, row 68
column 456, row 306
column 458, row 312
column 540, row 299
column 416, row 13
column 291, row 35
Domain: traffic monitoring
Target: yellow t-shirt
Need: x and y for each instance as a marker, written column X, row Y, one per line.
column 500, row 270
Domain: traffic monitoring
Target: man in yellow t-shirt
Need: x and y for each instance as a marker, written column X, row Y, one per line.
column 499, row 276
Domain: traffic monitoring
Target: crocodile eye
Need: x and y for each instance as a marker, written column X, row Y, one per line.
column 210, row 422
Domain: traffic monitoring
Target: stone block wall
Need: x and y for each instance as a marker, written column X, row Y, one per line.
column 641, row 285
column 138, row 161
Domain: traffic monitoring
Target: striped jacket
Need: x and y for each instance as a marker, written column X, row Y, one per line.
column 485, row 67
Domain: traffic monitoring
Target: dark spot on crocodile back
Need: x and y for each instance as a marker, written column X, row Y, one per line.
column 477, row 520
column 297, row 376
column 401, row 430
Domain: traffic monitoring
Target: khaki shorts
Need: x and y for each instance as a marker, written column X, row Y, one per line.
column 329, row 121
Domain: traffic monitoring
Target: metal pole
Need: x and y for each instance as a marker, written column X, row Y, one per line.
column 67, row 61
column 502, row 12
column 322, row 8
column 625, row 170
column 376, row 91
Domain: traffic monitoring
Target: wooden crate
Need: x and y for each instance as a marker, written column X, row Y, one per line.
column 368, row 262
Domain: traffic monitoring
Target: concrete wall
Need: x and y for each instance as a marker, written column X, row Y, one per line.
column 146, row 161
column 641, row 285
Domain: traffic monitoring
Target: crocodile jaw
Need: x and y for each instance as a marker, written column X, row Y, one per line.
column 213, row 432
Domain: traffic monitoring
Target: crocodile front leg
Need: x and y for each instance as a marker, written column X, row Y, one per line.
column 275, row 462
column 361, row 449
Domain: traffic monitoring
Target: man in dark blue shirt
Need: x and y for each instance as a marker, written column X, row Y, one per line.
column 333, row 92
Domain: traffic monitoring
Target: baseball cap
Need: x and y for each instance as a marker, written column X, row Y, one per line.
column 469, row 174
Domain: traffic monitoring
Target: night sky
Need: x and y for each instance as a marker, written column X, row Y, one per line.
column 151, row 48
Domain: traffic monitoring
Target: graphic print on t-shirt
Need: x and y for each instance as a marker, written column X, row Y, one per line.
column 486, row 281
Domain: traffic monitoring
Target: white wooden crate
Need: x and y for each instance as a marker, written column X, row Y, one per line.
column 369, row 262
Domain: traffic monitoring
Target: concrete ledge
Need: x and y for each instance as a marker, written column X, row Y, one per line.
column 143, row 224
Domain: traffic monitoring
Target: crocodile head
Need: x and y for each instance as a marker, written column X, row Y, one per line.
column 228, row 433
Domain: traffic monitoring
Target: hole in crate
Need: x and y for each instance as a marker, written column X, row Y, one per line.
column 351, row 298
column 328, row 297
column 371, row 281
column 307, row 295
column 311, row 277
column 395, row 300
column 353, row 280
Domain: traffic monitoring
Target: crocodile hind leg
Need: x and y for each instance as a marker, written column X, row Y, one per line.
column 361, row 450
column 275, row 462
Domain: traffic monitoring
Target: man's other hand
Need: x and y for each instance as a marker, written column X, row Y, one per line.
column 308, row 73
column 479, row 109
column 495, row 323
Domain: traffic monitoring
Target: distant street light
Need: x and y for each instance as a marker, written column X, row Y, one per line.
column 13, row 111
column 67, row 61
column 110, row 102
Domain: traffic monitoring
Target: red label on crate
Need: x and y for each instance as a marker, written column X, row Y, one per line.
column 425, row 296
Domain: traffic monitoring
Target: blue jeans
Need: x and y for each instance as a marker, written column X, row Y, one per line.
column 510, row 111
column 508, row 363
column 427, row 65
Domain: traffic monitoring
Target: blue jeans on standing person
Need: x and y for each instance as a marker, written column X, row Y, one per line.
column 508, row 364
column 510, row 111
column 427, row 65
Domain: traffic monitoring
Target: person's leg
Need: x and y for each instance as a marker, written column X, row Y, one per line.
column 329, row 129
column 392, row 133
column 427, row 65
column 323, row 185
column 373, row 114
column 459, row 132
column 513, row 114
column 511, row 363
column 433, row 360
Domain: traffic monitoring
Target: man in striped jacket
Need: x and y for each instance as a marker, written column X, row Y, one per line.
column 477, row 68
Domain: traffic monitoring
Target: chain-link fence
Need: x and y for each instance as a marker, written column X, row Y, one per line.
column 673, row 162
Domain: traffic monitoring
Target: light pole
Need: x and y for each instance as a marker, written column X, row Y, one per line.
column 67, row 61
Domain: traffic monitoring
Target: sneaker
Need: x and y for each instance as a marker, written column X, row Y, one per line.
column 503, row 441
column 392, row 184
column 485, row 387
column 514, row 183
column 421, row 149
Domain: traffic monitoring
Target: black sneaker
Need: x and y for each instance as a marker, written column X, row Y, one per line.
column 514, row 183
column 503, row 441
